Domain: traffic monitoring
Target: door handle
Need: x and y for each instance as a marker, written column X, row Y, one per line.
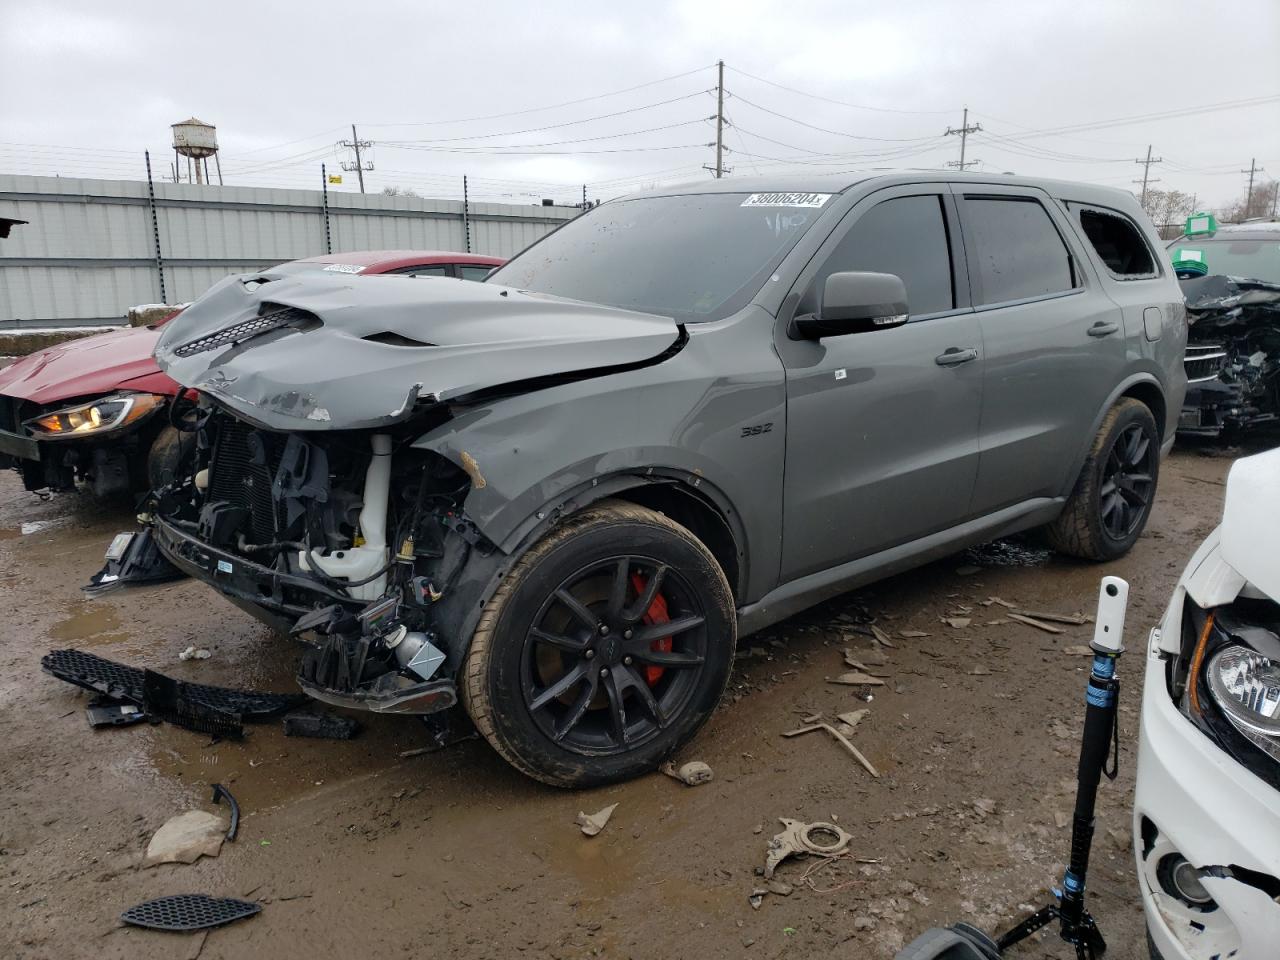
column 1103, row 328
column 954, row 356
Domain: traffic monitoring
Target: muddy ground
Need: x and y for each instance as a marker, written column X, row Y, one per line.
column 356, row 851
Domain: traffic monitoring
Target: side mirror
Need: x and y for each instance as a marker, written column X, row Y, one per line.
column 855, row 302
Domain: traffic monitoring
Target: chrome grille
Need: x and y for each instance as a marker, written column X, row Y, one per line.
column 1204, row 362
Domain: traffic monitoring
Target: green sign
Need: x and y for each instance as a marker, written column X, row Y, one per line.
column 1200, row 225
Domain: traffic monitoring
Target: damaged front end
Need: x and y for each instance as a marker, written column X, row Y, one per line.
column 304, row 499
column 1233, row 355
column 347, row 540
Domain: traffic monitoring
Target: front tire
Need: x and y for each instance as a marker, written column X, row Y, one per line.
column 1112, row 499
column 603, row 650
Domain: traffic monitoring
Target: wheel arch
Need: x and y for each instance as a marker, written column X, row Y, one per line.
column 1143, row 387
column 684, row 497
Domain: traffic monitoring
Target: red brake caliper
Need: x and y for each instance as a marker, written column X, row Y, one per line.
column 657, row 613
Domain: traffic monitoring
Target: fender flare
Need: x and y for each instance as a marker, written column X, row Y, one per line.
column 534, row 527
column 1125, row 385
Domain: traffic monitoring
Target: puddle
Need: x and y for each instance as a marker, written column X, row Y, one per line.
column 1013, row 552
column 90, row 624
column 267, row 770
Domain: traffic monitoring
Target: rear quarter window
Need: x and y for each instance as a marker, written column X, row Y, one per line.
column 1118, row 243
column 1015, row 251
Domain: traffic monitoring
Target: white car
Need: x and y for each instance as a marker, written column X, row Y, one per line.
column 1206, row 815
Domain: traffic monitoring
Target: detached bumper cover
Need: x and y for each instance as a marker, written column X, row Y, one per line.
column 1213, row 812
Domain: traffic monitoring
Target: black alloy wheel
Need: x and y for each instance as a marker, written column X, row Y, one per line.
column 1128, row 482
column 613, row 654
column 604, row 648
column 1116, row 488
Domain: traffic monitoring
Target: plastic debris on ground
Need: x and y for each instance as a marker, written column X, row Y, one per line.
column 323, row 726
column 188, row 911
column 186, row 838
column 592, row 824
column 691, row 774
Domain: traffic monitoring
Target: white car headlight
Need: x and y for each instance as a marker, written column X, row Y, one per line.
column 97, row 416
column 1246, row 685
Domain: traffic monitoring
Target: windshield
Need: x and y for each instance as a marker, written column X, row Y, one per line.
column 698, row 257
column 1249, row 259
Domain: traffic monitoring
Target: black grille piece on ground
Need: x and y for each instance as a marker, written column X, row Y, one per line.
column 122, row 682
column 244, row 465
column 245, row 330
column 163, row 699
column 188, row 911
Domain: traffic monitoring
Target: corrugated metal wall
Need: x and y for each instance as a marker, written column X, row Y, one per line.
column 89, row 251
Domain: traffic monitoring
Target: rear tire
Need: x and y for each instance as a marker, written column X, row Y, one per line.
column 1113, row 495
column 574, row 675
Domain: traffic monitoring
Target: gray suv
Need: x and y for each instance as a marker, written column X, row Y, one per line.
column 562, row 495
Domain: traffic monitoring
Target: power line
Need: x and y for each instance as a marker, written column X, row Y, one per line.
column 554, row 126
column 841, row 103
column 839, row 133
column 1149, row 117
column 415, row 145
column 499, row 152
column 1047, row 153
column 552, row 106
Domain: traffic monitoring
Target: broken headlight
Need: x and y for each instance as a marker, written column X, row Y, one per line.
column 1246, row 686
column 97, row 416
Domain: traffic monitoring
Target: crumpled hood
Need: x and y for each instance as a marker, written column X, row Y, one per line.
column 1251, row 521
column 90, row 366
column 361, row 352
column 1221, row 301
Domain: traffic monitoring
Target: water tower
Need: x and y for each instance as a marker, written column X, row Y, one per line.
column 198, row 141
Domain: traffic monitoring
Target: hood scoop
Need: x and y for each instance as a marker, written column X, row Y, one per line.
column 270, row 317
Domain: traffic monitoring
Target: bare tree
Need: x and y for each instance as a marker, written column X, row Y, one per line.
column 1168, row 210
column 1261, row 204
column 400, row 192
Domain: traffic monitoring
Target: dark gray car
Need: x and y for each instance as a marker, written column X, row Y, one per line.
column 562, row 495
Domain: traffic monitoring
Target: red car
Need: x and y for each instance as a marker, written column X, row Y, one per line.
column 96, row 409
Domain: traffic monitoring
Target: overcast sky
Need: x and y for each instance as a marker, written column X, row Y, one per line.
column 88, row 85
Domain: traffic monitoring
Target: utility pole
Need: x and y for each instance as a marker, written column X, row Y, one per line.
column 1248, row 199
column 1146, row 174
column 719, row 170
column 466, row 212
column 360, row 166
column 963, row 132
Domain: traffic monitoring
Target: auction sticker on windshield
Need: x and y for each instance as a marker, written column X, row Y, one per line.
column 343, row 268
column 786, row 200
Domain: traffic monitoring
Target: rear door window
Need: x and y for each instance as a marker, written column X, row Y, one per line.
column 905, row 236
column 1117, row 242
column 473, row 271
column 1015, row 252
